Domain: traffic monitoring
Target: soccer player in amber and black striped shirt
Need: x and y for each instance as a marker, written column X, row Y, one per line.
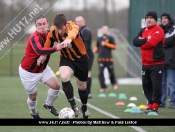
column 73, row 60
column 31, row 73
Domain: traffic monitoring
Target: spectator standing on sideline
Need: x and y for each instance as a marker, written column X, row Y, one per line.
column 151, row 41
column 87, row 38
column 73, row 60
column 31, row 74
column 168, row 80
column 104, row 46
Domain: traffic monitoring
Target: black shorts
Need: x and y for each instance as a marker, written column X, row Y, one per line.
column 80, row 67
column 91, row 59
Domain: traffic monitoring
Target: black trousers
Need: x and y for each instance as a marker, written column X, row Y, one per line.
column 110, row 67
column 152, row 83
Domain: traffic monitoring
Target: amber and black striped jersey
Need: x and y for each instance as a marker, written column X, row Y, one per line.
column 35, row 48
column 77, row 50
column 104, row 52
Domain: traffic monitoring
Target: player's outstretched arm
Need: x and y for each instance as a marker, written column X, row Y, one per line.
column 37, row 47
column 42, row 58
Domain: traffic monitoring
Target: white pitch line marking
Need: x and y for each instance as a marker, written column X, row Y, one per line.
column 138, row 129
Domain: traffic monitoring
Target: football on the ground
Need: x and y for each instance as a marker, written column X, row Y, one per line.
column 66, row 113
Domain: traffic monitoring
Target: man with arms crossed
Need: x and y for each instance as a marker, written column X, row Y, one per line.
column 151, row 42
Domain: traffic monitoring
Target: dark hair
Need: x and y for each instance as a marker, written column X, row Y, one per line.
column 60, row 20
column 39, row 17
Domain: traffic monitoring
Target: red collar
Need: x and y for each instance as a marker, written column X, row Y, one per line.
column 42, row 35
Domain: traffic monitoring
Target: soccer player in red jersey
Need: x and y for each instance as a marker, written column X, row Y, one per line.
column 31, row 73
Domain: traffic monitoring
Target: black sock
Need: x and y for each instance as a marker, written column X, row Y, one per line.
column 69, row 92
column 89, row 81
column 83, row 96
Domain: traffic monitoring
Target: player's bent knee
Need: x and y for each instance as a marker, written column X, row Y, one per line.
column 65, row 78
column 33, row 97
column 53, row 83
column 56, row 87
column 82, row 86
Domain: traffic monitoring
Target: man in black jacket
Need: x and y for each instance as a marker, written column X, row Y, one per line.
column 87, row 38
column 168, row 79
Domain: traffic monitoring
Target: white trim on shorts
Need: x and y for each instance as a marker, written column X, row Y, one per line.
column 30, row 80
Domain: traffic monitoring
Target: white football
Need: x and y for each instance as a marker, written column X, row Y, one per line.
column 66, row 113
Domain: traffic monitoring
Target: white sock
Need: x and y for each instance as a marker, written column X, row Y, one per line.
column 51, row 96
column 32, row 106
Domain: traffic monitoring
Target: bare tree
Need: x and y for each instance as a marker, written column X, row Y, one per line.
column 106, row 17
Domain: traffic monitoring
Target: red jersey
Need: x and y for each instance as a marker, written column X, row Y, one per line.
column 35, row 48
column 152, row 51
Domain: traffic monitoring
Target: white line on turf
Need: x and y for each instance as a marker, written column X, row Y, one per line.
column 139, row 129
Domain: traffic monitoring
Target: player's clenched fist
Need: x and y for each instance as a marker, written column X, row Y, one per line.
column 41, row 59
column 66, row 43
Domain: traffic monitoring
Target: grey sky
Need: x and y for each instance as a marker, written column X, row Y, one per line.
column 79, row 5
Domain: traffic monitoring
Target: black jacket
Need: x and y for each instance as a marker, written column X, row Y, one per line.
column 105, row 51
column 169, row 31
column 87, row 38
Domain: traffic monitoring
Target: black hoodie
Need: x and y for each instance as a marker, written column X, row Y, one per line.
column 169, row 31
